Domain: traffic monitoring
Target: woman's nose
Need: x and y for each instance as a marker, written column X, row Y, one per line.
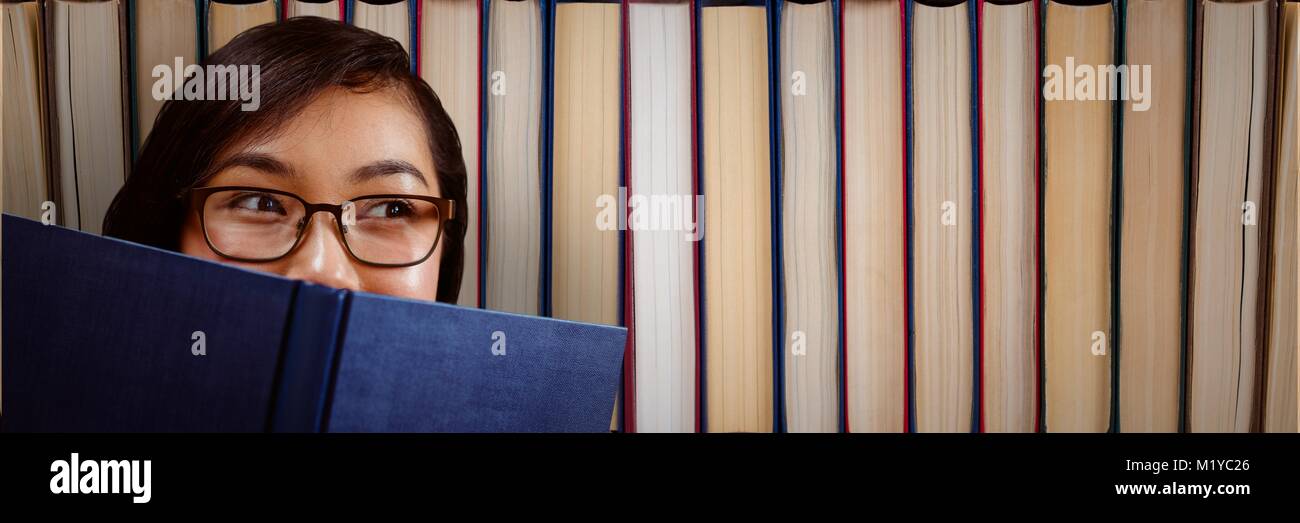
column 321, row 256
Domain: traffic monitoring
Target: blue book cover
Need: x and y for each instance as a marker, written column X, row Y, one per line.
column 103, row 335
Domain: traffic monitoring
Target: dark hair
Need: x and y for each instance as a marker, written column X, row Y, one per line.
column 298, row 59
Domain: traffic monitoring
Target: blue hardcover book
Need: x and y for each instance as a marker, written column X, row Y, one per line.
column 105, row 335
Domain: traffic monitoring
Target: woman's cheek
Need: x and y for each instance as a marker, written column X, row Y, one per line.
column 193, row 243
column 418, row 282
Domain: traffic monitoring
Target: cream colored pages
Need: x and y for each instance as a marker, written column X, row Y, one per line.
column 738, row 256
column 226, row 21
column 391, row 20
column 942, row 218
column 164, row 32
column 875, row 321
column 585, row 274
column 663, row 262
column 810, row 219
column 1151, row 242
column 1010, row 138
column 449, row 56
column 328, row 10
column 1224, row 341
column 1076, row 236
column 22, row 158
column 513, row 186
column 1280, row 390
column 87, row 87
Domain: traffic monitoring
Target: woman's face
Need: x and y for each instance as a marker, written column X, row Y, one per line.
column 341, row 146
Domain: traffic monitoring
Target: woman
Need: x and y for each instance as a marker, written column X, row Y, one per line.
column 349, row 174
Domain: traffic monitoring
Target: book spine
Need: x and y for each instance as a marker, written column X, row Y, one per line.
column 1119, row 20
column 778, row 252
column 623, row 182
column 774, row 12
column 308, row 360
column 975, row 10
column 51, row 112
column 124, row 68
column 841, row 348
column 133, row 127
column 417, row 24
column 697, row 182
column 413, row 33
column 480, row 256
column 205, row 19
column 910, row 372
column 1041, row 398
column 627, row 423
column 547, row 154
column 47, row 99
column 1194, row 76
column 1186, row 255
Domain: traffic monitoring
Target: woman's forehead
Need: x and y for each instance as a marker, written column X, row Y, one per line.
column 341, row 140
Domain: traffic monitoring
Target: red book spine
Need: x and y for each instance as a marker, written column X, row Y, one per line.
column 629, row 290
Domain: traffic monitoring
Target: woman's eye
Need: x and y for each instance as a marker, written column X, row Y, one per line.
column 259, row 203
column 388, row 209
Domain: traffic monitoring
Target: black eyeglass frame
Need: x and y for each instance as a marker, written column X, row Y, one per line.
column 446, row 213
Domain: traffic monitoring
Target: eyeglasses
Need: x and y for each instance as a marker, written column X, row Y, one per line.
column 253, row 224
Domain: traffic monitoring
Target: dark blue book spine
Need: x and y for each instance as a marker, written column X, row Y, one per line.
column 1187, row 221
column 307, row 360
column 547, row 153
column 1117, row 216
column 413, row 28
column 841, row 371
column 480, row 257
column 778, row 253
column 1040, row 9
column 910, row 393
column 133, row 105
column 974, row 10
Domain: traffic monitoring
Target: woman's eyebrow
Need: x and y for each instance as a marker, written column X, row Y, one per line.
column 258, row 161
column 386, row 168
